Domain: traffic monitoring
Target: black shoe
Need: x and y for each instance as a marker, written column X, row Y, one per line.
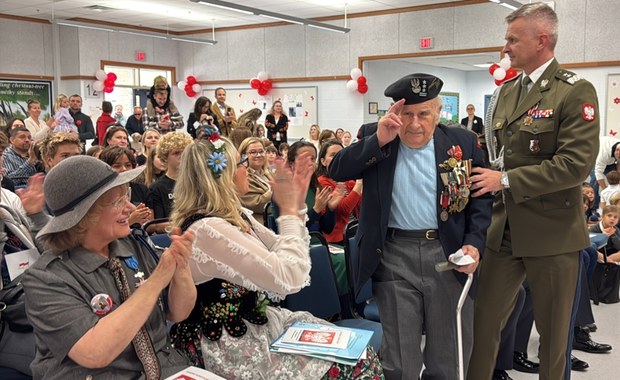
column 578, row 365
column 590, row 346
column 592, row 327
column 521, row 364
column 500, row 374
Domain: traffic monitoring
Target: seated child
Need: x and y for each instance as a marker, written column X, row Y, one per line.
column 613, row 178
column 607, row 225
column 592, row 214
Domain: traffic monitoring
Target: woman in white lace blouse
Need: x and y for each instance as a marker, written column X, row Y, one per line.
column 236, row 261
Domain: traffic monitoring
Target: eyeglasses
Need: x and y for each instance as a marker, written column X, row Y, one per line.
column 243, row 162
column 256, row 152
column 121, row 202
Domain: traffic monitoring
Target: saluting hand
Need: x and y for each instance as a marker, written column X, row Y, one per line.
column 389, row 125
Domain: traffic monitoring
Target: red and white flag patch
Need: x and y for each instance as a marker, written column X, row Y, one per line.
column 588, row 112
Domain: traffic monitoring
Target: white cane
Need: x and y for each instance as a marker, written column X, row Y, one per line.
column 442, row 267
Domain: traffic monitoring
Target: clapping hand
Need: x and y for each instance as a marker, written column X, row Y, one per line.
column 336, row 196
column 32, row 196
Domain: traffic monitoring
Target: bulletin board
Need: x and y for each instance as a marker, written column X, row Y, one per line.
column 613, row 105
column 299, row 103
column 450, row 107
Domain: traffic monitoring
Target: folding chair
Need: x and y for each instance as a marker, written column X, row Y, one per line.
column 360, row 299
column 161, row 240
column 320, row 298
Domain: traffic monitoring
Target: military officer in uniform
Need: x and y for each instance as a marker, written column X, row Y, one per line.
column 416, row 211
column 546, row 125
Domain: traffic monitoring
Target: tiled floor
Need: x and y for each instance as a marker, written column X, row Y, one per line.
column 602, row 366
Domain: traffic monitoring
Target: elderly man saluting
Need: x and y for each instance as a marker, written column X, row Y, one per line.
column 416, row 211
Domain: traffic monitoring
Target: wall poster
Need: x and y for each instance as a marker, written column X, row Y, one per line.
column 14, row 94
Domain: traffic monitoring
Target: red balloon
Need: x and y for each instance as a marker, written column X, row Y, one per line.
column 112, row 77
column 108, row 82
column 361, row 81
column 493, row 67
column 498, row 82
column 511, row 73
column 108, row 89
column 191, row 93
column 187, row 87
column 266, row 84
column 255, row 83
column 262, row 91
column 191, row 80
column 362, row 89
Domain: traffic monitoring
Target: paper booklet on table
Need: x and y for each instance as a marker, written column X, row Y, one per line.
column 194, row 373
column 341, row 344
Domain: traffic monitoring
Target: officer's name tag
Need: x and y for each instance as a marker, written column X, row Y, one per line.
column 18, row 262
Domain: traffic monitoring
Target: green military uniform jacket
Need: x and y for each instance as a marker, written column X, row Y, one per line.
column 550, row 145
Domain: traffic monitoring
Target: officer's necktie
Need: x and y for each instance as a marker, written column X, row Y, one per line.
column 524, row 84
column 141, row 342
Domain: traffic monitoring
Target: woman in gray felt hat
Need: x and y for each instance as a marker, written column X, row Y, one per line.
column 95, row 296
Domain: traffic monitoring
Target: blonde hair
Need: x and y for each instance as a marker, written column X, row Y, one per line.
column 171, row 141
column 49, row 145
column 58, row 103
column 143, row 139
column 197, row 191
column 614, row 198
column 160, row 82
column 245, row 144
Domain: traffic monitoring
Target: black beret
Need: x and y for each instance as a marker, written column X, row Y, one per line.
column 415, row 88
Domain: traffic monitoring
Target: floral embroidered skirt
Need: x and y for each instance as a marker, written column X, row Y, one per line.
column 248, row 357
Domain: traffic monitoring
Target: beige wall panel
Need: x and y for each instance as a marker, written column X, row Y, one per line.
column 285, row 51
column 246, row 53
column 436, row 23
column 327, row 53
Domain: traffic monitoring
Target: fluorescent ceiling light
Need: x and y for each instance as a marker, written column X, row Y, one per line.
column 277, row 16
column 483, row 65
column 83, row 25
column 510, row 4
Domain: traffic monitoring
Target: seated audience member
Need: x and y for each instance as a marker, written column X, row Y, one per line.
column 18, row 160
column 13, row 123
column 104, row 121
column 122, row 160
column 155, row 169
column 592, row 213
column 239, row 134
column 149, row 140
column 169, row 150
column 94, row 297
column 21, row 220
column 259, row 131
column 350, row 203
column 37, row 127
column 613, row 179
column 321, row 202
column 259, row 177
column 326, row 135
column 346, row 139
column 58, row 146
column 608, row 226
column 201, row 117
column 94, row 151
column 272, row 155
column 116, row 135
column 134, row 122
column 339, row 133
column 235, row 260
column 283, row 150
column 161, row 115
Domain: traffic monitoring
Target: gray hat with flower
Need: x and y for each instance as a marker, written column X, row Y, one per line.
column 74, row 185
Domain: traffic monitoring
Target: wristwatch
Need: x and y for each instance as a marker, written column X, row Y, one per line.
column 504, row 180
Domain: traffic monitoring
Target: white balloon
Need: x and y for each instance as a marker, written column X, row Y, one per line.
column 101, row 75
column 356, row 73
column 98, row 86
column 505, row 63
column 352, row 85
column 499, row 73
column 262, row 76
column 181, row 85
column 196, row 87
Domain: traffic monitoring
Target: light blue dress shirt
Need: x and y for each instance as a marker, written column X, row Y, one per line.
column 414, row 195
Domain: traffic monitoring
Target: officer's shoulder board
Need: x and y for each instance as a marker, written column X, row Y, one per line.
column 567, row 76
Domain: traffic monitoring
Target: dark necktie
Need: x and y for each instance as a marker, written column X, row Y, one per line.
column 141, row 342
column 524, row 84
